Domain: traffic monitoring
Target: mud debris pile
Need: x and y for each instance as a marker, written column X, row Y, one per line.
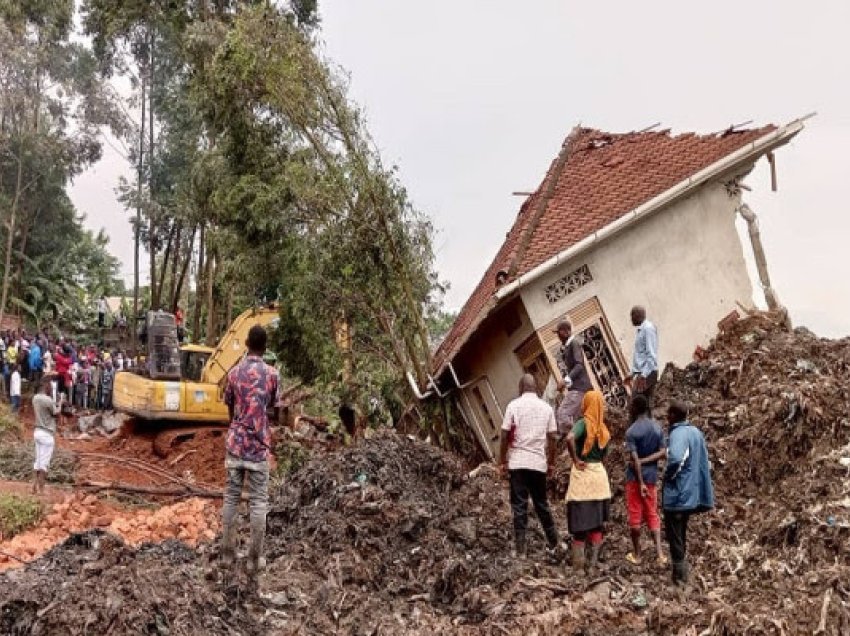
column 392, row 536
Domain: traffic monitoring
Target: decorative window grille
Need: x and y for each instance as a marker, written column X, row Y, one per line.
column 566, row 285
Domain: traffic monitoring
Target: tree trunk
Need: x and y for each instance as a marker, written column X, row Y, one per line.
column 138, row 225
column 199, row 287
column 7, row 269
column 178, row 287
column 163, row 268
column 156, row 290
column 211, row 309
column 175, row 263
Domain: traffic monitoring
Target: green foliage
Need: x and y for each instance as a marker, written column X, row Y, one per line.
column 290, row 457
column 18, row 513
column 53, row 107
column 9, row 424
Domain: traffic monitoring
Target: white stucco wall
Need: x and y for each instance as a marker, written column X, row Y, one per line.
column 491, row 354
column 685, row 264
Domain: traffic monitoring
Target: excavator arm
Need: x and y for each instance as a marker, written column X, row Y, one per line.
column 231, row 347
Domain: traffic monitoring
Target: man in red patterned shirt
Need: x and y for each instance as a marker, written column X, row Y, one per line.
column 252, row 387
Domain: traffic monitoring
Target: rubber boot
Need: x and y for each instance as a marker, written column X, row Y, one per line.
column 593, row 560
column 577, row 556
column 256, row 562
column 681, row 573
column 228, row 548
column 520, row 547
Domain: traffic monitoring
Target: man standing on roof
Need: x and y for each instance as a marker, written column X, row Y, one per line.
column 645, row 358
column 252, row 387
column 527, row 452
column 576, row 380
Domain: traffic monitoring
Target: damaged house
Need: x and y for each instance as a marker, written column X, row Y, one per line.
column 643, row 218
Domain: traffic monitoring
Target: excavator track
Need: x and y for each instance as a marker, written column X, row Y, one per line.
column 164, row 442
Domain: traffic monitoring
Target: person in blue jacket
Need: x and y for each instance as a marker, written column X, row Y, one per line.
column 687, row 487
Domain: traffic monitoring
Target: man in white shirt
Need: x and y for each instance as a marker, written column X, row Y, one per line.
column 527, row 453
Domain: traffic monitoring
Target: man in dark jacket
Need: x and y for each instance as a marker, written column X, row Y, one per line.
column 687, row 484
column 576, row 380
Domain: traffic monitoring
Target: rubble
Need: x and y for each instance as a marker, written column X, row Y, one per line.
column 193, row 521
column 393, row 536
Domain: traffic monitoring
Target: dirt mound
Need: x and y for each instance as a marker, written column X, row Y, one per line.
column 94, row 583
column 775, row 407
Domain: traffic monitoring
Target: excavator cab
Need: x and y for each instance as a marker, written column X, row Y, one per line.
column 163, row 359
column 193, row 359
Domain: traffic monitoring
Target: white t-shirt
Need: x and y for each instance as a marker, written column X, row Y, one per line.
column 15, row 384
column 101, row 306
column 533, row 420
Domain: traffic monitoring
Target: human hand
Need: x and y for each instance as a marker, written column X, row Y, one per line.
column 561, row 386
column 644, row 491
column 579, row 464
column 503, row 471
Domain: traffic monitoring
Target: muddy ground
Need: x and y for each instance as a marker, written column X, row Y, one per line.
column 393, row 536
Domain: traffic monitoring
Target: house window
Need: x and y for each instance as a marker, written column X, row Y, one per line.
column 566, row 285
column 486, row 415
column 603, row 357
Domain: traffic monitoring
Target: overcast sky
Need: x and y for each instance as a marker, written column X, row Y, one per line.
column 473, row 99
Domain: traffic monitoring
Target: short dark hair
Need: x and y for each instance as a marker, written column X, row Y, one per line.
column 639, row 404
column 257, row 339
column 678, row 411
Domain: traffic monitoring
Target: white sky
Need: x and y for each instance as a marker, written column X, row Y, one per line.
column 472, row 100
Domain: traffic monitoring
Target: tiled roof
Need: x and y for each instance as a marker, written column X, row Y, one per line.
column 595, row 179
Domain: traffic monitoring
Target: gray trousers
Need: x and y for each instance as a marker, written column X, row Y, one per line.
column 256, row 475
column 569, row 410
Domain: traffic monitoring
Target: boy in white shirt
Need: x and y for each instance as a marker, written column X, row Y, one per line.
column 15, row 389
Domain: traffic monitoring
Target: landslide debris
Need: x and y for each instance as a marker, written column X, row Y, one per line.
column 393, row 536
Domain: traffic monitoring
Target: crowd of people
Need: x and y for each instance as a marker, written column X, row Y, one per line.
column 532, row 429
column 83, row 374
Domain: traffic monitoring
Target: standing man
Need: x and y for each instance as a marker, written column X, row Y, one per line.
column 687, row 485
column 36, row 362
column 252, row 387
column 15, row 389
column 645, row 445
column 527, row 452
column 106, row 380
column 45, row 410
column 575, row 377
column 645, row 358
column 101, row 311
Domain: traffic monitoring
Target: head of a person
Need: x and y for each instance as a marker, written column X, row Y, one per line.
column 638, row 315
column 593, row 404
column 639, row 406
column 256, row 340
column 677, row 411
column 46, row 385
column 527, row 384
column 564, row 330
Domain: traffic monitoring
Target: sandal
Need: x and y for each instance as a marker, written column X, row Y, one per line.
column 631, row 558
column 662, row 560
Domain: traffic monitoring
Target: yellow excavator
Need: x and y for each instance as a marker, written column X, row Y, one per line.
column 185, row 384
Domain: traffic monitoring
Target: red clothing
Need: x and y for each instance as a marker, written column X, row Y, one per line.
column 178, row 317
column 642, row 509
column 63, row 367
column 252, row 387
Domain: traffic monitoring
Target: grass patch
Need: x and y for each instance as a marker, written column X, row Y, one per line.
column 9, row 424
column 16, row 459
column 18, row 513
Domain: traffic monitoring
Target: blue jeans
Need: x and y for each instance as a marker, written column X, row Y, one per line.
column 16, row 403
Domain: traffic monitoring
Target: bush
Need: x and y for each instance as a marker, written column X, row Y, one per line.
column 18, row 513
column 8, row 423
column 290, row 457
